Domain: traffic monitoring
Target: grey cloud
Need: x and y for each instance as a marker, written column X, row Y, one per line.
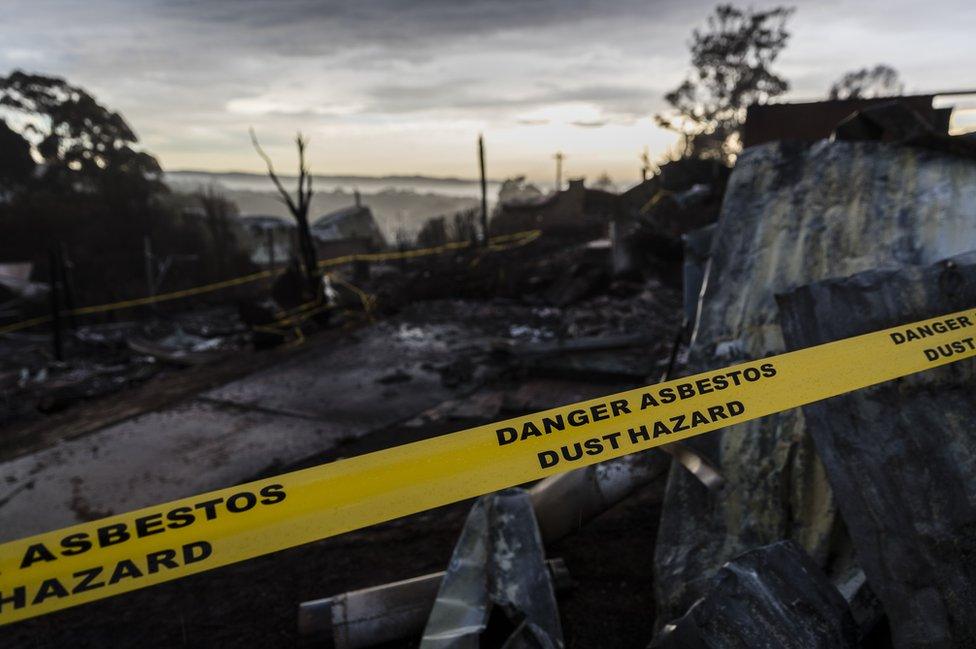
column 623, row 100
column 399, row 20
column 174, row 66
column 371, row 32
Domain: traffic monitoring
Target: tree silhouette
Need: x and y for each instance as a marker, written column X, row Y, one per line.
column 880, row 81
column 82, row 144
column 732, row 62
column 16, row 163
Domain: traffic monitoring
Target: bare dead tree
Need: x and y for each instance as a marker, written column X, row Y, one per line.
column 298, row 206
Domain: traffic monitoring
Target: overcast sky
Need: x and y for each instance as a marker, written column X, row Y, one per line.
column 404, row 86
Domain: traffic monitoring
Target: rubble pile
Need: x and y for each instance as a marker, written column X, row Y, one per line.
column 102, row 359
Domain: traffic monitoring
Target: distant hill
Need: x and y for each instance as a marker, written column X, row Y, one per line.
column 365, row 184
column 398, row 202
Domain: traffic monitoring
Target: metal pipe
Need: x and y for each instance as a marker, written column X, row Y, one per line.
column 372, row 616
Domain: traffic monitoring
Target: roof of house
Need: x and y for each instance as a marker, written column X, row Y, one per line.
column 354, row 221
column 266, row 222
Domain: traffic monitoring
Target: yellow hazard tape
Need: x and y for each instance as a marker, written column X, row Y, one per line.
column 495, row 244
column 121, row 553
column 292, row 319
column 366, row 299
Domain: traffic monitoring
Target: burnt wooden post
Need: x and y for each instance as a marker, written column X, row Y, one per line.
column 56, row 340
column 148, row 262
column 67, row 285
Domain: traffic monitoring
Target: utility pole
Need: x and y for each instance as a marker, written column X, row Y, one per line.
column 484, row 191
column 559, row 170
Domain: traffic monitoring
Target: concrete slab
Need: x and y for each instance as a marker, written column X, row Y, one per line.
column 194, row 447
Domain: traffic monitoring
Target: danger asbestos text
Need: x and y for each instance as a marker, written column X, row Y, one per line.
column 689, row 420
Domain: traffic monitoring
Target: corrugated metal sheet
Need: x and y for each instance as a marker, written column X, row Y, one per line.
column 901, row 455
column 792, row 215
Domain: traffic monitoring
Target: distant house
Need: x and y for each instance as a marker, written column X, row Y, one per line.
column 272, row 239
column 576, row 210
column 347, row 231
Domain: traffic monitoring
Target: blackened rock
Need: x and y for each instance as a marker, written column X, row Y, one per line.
column 901, row 456
column 773, row 597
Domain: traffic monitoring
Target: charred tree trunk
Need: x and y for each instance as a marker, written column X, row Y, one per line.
column 299, row 209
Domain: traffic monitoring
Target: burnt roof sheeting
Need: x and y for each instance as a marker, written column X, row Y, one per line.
column 793, row 215
column 808, row 122
column 901, row 455
column 355, row 221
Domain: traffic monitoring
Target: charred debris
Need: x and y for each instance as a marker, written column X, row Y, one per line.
column 789, row 531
